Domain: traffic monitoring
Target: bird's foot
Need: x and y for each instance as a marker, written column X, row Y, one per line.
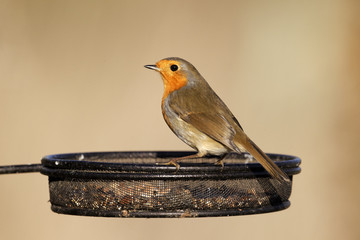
column 221, row 163
column 172, row 162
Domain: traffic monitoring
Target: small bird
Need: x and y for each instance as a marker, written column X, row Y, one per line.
column 197, row 115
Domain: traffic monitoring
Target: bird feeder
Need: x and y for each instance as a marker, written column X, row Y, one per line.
column 137, row 184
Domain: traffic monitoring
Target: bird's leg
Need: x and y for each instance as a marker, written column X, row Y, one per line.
column 220, row 160
column 175, row 160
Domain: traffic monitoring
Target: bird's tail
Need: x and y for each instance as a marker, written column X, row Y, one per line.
column 264, row 160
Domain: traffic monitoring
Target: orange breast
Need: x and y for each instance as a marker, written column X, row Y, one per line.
column 173, row 83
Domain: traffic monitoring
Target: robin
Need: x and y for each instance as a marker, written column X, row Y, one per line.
column 197, row 115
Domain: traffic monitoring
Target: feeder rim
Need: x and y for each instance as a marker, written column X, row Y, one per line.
column 81, row 165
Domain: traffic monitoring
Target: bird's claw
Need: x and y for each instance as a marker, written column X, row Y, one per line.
column 221, row 163
column 172, row 162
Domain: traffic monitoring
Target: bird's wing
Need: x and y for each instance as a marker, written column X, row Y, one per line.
column 208, row 114
column 213, row 125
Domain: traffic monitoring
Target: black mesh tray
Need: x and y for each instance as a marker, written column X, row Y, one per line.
column 133, row 184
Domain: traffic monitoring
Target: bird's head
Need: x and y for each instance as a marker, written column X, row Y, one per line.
column 176, row 73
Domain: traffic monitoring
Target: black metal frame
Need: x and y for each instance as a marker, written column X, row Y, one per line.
column 123, row 166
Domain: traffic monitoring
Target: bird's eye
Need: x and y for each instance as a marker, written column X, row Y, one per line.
column 174, row 67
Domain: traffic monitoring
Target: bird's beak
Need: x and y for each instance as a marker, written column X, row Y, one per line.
column 153, row 67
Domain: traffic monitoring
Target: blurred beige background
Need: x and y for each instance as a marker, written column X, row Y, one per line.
column 72, row 79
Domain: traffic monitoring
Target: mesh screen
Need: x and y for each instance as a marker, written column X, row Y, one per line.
column 131, row 184
column 128, row 196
